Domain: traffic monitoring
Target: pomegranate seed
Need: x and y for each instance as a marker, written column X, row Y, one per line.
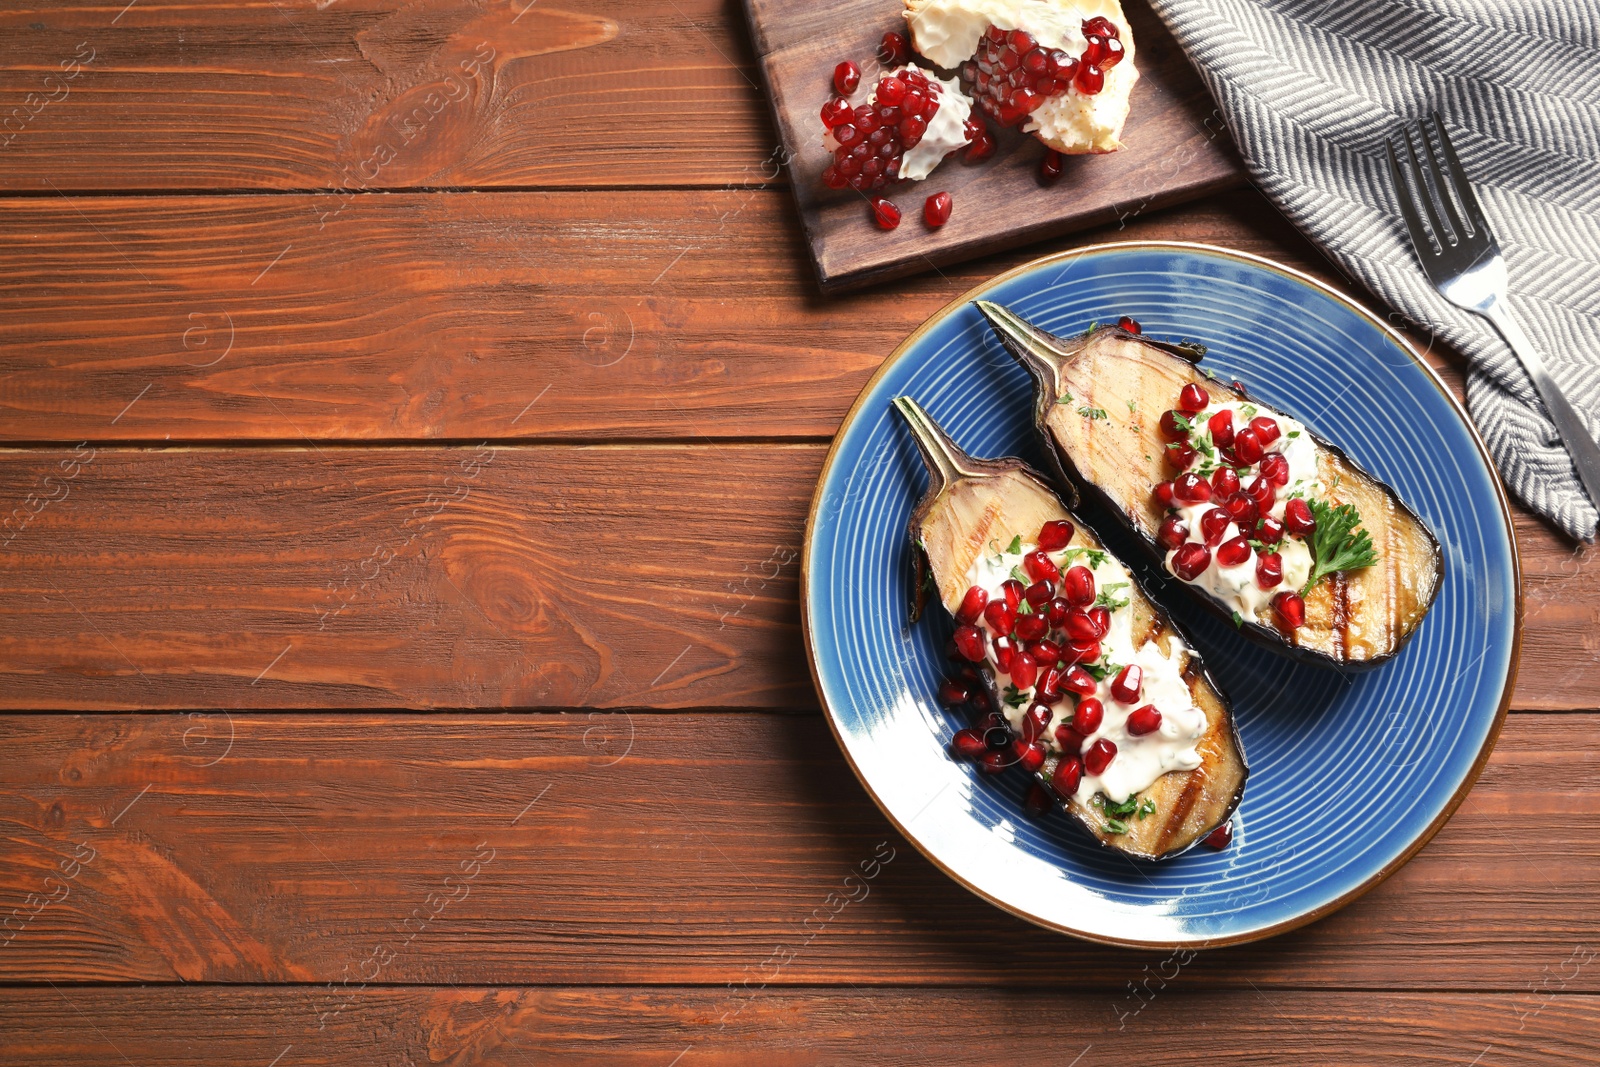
column 1099, row 756
column 972, row 605
column 1081, row 628
column 1221, row 427
column 1265, row 428
column 911, row 130
column 1174, row 532
column 967, row 744
column 1191, row 560
column 969, row 641
column 846, row 76
column 1261, row 491
column 847, row 134
column 1180, row 455
column 1049, row 166
column 1057, row 615
column 1193, row 399
column 1247, row 446
column 936, row 209
column 981, row 148
column 1269, row 530
column 1041, row 567
column 1044, row 652
column 1029, row 757
column 1024, row 671
column 1191, row 488
column 953, row 693
column 864, row 117
column 1221, row 837
column 1070, row 740
column 1034, row 721
column 1055, row 535
column 1145, row 720
column 835, row 112
column 1224, row 482
column 1032, row 627
column 1130, row 325
column 1101, row 617
column 1088, row 715
column 1111, row 53
column 1214, row 526
column 1269, row 570
column 1163, row 494
column 1275, row 468
column 1243, row 509
column 1100, row 26
column 1090, row 80
column 1297, row 518
column 1001, row 617
column 1128, row 683
column 1077, row 680
column 1077, row 585
column 1233, row 552
column 1011, row 590
column 833, row 179
column 1037, row 802
column 884, row 212
column 1005, row 650
column 1094, row 49
column 1080, row 652
column 994, row 762
column 1049, row 688
column 891, row 92
column 893, row 49
column 1039, row 593
column 1068, row 774
column 1291, row 610
column 1171, row 429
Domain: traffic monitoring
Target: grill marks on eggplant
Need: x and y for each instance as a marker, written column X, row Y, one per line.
column 1358, row 619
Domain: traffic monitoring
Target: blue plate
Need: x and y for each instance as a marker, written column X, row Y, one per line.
column 1350, row 774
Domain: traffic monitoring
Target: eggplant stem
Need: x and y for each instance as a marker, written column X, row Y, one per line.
column 1039, row 352
column 946, row 462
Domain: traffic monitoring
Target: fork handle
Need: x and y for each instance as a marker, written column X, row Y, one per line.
column 1580, row 445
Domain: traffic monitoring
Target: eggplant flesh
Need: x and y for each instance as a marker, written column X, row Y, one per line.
column 1353, row 619
column 971, row 503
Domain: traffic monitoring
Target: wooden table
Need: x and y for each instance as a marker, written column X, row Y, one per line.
column 411, row 413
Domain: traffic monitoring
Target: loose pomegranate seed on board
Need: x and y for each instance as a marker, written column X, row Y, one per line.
column 893, row 50
column 846, row 76
column 884, row 213
column 936, row 209
column 835, row 111
column 1050, row 167
column 1055, row 535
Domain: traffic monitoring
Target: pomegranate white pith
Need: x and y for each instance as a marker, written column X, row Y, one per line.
column 1072, row 92
column 908, row 123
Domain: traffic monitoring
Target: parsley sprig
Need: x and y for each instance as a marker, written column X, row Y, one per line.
column 1339, row 543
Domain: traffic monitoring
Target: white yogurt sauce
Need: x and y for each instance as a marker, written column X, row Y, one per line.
column 1139, row 760
column 1236, row 586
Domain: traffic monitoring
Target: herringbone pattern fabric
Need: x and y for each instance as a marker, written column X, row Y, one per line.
column 1311, row 90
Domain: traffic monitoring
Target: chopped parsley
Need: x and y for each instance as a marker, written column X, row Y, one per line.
column 1248, row 412
column 1013, row 697
column 1146, row 807
column 1096, row 557
column 1100, row 672
column 1064, row 398
column 1202, row 445
column 1016, row 545
column 1127, row 807
column 1024, row 608
column 1238, row 620
column 1092, row 413
column 1016, row 572
column 1106, row 600
column 1184, row 422
column 1133, row 406
column 1294, row 433
column 1115, row 826
column 1338, row 543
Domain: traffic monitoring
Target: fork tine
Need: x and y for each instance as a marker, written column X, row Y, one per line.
column 1422, row 187
column 1408, row 207
column 1439, row 182
column 1460, row 182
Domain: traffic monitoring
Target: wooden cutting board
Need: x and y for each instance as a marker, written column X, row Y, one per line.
column 1177, row 149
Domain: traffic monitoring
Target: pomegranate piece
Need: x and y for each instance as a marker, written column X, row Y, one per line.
column 967, row 744
column 1037, row 803
column 1171, row 429
column 936, row 209
column 846, row 76
column 1055, row 535
column 1045, row 652
column 1261, row 491
column 1030, row 757
column 1269, row 531
column 1144, row 720
column 1191, row 560
column 1040, row 567
column 1173, row 532
column 1005, row 650
column 972, row 605
column 1080, row 652
column 1269, row 570
column 1034, row 721
column 1128, row 682
column 1088, row 715
column 1233, row 552
column 1242, row 508
column 1012, row 590
column 1265, row 428
column 1214, row 526
column 884, row 213
column 893, row 50
column 1297, row 518
column 1181, row 455
column 1068, row 774
column 1291, row 610
column 1057, row 614
column 1221, row 427
column 1275, row 468
column 1163, row 494
column 1049, row 166
column 1125, row 323
column 1077, row 586
column 1024, row 671
column 1081, row 628
column 953, row 693
column 1221, row 837
column 1191, row 488
column 1193, row 399
column 1101, row 617
column 1011, row 74
column 969, row 641
column 1079, row 681
column 1001, row 617
column 1032, row 627
column 1048, row 690
column 1100, row 26
column 1090, row 80
column 1225, row 482
column 980, row 148
column 1247, row 446
column 1099, row 756
column 1039, row 593
column 1070, row 740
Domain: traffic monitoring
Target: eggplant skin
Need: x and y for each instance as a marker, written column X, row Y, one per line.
column 1354, row 620
column 981, row 500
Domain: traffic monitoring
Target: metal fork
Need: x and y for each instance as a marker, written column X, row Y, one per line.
column 1463, row 261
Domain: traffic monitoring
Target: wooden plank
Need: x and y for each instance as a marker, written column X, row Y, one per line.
column 479, row 1027
column 241, row 317
column 554, row 576
column 377, row 94
column 654, row 849
column 1177, row 149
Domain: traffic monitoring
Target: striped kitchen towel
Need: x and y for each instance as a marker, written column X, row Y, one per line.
column 1312, row 88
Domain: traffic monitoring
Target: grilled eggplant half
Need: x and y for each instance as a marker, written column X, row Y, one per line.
column 1350, row 569
column 1101, row 658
